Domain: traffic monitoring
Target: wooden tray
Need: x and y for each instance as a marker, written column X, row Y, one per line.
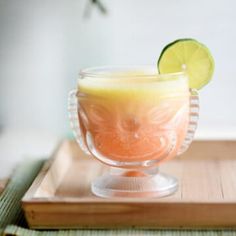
column 60, row 196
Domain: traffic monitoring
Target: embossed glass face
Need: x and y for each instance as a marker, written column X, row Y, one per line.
column 129, row 118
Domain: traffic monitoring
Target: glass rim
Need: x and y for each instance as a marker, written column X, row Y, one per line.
column 148, row 72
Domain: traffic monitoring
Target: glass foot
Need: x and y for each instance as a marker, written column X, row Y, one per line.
column 134, row 183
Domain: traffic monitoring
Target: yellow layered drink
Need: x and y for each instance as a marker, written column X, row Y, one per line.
column 132, row 116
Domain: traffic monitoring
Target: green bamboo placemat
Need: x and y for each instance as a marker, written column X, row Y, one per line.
column 10, row 209
column 12, row 221
column 15, row 230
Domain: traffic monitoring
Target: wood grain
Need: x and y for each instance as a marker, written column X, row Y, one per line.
column 60, row 197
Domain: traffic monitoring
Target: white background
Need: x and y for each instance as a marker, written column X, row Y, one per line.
column 43, row 45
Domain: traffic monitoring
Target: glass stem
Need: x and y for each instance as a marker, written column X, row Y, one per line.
column 134, row 172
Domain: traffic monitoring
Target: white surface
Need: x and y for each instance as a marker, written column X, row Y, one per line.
column 219, row 133
column 44, row 43
column 19, row 145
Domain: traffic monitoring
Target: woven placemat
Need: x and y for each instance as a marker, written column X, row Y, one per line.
column 10, row 208
column 12, row 221
column 14, row 230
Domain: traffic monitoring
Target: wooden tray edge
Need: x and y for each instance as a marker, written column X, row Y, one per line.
column 28, row 196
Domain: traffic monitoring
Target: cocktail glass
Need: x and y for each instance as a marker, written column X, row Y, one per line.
column 133, row 119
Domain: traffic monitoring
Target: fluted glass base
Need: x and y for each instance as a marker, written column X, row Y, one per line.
column 134, row 183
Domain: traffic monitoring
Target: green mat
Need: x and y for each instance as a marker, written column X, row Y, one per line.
column 12, row 221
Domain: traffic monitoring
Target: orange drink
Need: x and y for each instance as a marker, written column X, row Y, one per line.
column 133, row 116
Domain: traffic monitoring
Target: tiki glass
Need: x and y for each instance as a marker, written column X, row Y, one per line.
column 133, row 119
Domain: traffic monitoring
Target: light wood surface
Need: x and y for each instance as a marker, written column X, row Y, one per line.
column 3, row 183
column 60, row 196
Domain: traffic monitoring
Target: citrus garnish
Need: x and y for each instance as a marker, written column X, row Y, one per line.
column 190, row 56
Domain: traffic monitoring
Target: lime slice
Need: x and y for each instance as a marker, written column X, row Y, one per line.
column 190, row 56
